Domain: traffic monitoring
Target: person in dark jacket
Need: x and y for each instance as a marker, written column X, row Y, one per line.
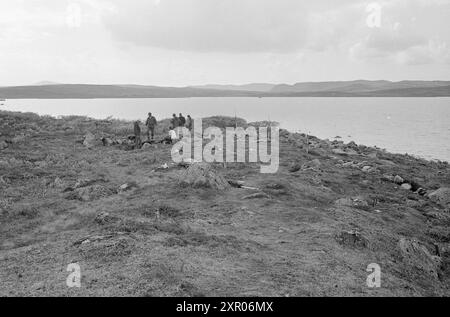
column 137, row 135
column 189, row 122
column 182, row 120
column 175, row 122
column 151, row 124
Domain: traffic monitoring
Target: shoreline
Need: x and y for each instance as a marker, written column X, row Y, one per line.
column 336, row 138
column 127, row 215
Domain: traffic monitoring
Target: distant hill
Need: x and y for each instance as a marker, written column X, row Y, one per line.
column 247, row 87
column 46, row 83
column 358, row 88
column 110, row 91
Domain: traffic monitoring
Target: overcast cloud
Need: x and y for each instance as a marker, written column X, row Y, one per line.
column 184, row 42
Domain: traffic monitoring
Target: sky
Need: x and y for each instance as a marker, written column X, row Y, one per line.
column 194, row 42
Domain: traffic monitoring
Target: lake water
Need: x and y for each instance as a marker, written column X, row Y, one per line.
column 418, row 126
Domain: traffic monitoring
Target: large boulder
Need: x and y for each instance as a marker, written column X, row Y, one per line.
column 441, row 196
column 203, row 175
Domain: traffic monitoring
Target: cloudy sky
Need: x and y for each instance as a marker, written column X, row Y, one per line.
column 189, row 42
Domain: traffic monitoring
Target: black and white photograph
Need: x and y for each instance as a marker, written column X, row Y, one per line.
column 224, row 154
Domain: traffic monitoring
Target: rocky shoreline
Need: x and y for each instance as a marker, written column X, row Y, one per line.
column 74, row 190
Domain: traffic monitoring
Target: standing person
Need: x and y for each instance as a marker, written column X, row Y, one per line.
column 151, row 125
column 189, row 122
column 137, row 135
column 175, row 122
column 182, row 120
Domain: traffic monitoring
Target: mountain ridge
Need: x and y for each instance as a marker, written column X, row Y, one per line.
column 357, row 88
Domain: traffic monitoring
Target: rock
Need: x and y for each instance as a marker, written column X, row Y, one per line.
column 3, row 145
column 90, row 193
column 421, row 192
column 90, row 140
column 417, row 256
column 406, row 186
column 358, row 202
column 351, row 152
column 349, row 164
column 339, row 152
column 352, row 239
column 414, row 203
column 398, row 180
column 18, row 139
column 203, row 175
column 441, row 196
column 352, row 145
column 126, row 187
column 314, row 164
column 84, row 182
column 236, row 184
column 58, row 183
column 38, row 286
column 147, row 146
column 295, row 168
column 388, row 178
column 367, row 169
column 257, row 196
column 108, row 142
column 104, row 218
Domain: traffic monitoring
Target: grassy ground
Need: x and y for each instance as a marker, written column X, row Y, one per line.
column 60, row 203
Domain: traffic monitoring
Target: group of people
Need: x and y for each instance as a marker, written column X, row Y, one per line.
column 181, row 122
column 151, row 123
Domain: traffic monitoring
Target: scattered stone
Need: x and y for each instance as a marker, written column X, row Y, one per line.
column 358, row 202
column 108, row 142
column 90, row 193
column 147, row 146
column 348, row 164
column 104, row 218
column 3, row 145
column 339, row 152
column 441, row 196
column 367, row 169
column 18, row 139
column 314, row 164
column 388, row 178
column 90, row 140
column 414, row 203
column 257, row 196
column 351, row 152
column 236, row 184
column 203, row 175
column 58, row 183
column 352, row 145
column 398, row 180
column 352, row 239
column 126, row 187
column 39, row 286
column 421, row 192
column 295, row 168
column 417, row 255
column 84, row 182
column 406, row 186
